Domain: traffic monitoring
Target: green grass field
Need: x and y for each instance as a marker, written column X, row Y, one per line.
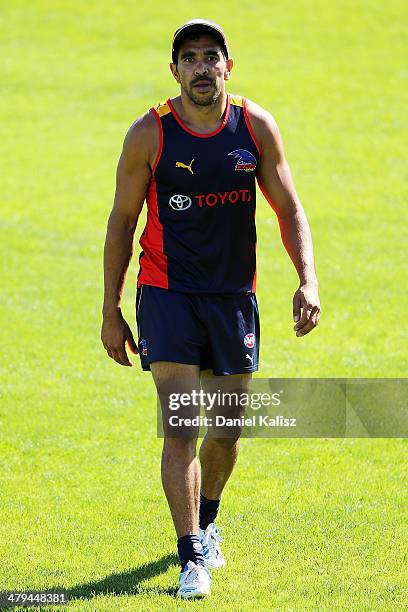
column 313, row 524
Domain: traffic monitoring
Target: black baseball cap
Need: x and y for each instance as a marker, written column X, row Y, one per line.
column 196, row 26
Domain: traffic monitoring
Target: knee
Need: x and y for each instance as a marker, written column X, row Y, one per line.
column 227, row 443
column 180, row 447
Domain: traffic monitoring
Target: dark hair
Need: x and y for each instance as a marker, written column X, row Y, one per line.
column 194, row 35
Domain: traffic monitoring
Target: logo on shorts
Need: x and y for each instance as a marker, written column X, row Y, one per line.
column 180, row 202
column 143, row 346
column 249, row 340
column 250, row 357
column 246, row 161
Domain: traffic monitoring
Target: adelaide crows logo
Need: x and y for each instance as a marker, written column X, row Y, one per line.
column 143, row 346
column 246, row 161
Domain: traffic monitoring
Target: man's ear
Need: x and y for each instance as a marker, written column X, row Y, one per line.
column 173, row 70
column 230, row 65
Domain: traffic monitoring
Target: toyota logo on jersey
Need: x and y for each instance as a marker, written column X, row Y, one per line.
column 180, row 202
column 249, row 340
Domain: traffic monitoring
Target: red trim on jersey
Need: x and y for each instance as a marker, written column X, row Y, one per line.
column 153, row 263
column 254, row 283
column 159, row 152
column 217, row 131
column 251, row 131
column 254, row 278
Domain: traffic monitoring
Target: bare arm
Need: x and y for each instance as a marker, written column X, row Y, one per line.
column 132, row 180
column 275, row 180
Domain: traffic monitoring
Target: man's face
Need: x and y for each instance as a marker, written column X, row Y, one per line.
column 201, row 69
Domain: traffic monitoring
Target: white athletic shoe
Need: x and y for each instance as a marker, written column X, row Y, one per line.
column 210, row 539
column 194, row 581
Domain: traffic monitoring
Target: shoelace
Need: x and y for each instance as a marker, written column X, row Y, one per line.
column 212, row 538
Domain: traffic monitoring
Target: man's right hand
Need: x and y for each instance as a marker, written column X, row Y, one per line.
column 114, row 335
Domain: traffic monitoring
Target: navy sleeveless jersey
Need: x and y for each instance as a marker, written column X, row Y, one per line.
column 200, row 234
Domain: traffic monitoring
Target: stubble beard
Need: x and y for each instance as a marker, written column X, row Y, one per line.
column 203, row 100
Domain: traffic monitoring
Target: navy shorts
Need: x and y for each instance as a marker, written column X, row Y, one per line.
column 216, row 332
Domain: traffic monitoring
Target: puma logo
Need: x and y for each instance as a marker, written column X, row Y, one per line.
column 186, row 166
column 250, row 357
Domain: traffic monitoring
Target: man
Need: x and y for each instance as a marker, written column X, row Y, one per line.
column 195, row 158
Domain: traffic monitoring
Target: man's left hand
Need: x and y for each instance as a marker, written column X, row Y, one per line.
column 306, row 308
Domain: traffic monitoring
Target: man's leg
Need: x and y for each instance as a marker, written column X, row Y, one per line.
column 218, row 455
column 180, row 469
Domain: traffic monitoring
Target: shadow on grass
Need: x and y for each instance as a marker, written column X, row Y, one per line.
column 125, row 583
